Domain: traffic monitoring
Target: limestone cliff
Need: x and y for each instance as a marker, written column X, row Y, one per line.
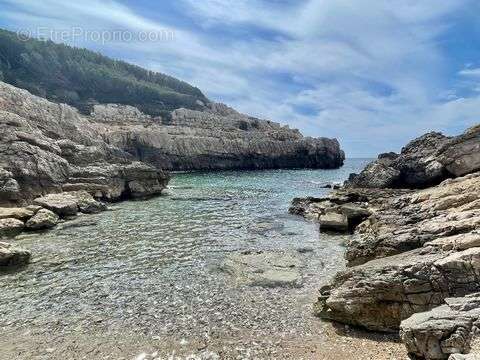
column 49, row 148
column 215, row 138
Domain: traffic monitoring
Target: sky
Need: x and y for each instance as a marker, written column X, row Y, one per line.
column 372, row 73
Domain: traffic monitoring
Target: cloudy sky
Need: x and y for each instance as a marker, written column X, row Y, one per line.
column 372, row 73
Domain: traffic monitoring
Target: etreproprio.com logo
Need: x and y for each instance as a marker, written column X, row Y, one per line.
column 79, row 34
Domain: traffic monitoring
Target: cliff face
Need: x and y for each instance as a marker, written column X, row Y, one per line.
column 119, row 152
column 215, row 138
column 50, row 148
column 424, row 162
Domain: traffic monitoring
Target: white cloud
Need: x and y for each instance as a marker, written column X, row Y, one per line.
column 470, row 72
column 368, row 68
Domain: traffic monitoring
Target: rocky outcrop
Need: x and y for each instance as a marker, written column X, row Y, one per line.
column 414, row 257
column 414, row 251
column 11, row 256
column 444, row 331
column 213, row 139
column 50, row 148
column 424, row 162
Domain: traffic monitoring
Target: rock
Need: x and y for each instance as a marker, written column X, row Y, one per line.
column 87, row 204
column 415, row 250
column 10, row 227
column 444, row 331
column 461, row 156
column 266, row 269
column 464, row 357
column 381, row 293
column 16, row 213
column 415, row 257
column 424, row 162
column 11, row 256
column 51, row 148
column 375, row 175
column 33, row 208
column 70, row 203
column 217, row 138
column 43, row 219
column 335, row 222
column 64, row 204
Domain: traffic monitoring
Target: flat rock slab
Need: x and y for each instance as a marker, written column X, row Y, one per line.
column 266, row 269
column 16, row 213
column 64, row 204
column 464, row 357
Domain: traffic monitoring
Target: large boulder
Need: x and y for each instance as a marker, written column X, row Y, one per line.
column 70, row 203
column 43, row 219
column 12, row 257
column 63, row 204
column 334, row 222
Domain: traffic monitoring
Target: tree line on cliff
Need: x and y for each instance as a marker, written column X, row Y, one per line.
column 82, row 78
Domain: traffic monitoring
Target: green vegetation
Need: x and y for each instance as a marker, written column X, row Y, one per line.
column 81, row 78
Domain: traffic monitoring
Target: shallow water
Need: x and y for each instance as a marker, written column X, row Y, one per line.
column 153, row 266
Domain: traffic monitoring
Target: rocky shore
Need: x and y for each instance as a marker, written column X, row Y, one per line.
column 56, row 162
column 414, row 256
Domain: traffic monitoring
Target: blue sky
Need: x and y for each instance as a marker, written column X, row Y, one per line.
column 372, row 73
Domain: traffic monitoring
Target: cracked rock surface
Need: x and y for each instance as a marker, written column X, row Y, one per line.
column 444, row 331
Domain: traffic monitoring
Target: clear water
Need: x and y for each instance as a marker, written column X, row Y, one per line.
column 153, row 266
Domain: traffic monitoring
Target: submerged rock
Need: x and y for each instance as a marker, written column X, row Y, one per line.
column 266, row 269
column 12, row 257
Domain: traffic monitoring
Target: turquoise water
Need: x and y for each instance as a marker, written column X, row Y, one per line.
column 154, row 265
